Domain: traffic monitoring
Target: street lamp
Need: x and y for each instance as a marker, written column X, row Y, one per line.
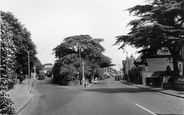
column 81, row 73
column 28, row 53
column 119, row 70
column 83, row 78
column 126, row 52
column 127, row 66
column 80, row 64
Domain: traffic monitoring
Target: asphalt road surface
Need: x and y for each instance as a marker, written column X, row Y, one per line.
column 107, row 97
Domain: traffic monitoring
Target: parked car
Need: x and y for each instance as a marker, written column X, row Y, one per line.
column 49, row 74
column 117, row 78
column 41, row 77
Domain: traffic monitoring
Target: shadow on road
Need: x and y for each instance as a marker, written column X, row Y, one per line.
column 169, row 114
column 118, row 90
column 47, row 81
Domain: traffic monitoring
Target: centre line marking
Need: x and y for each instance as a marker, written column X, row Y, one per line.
column 146, row 109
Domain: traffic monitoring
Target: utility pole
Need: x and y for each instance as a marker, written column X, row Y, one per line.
column 83, row 78
column 80, row 64
column 28, row 53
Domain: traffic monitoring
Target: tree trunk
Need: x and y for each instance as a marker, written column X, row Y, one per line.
column 80, row 76
column 175, row 67
column 175, row 54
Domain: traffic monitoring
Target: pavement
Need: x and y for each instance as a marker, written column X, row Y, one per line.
column 175, row 93
column 21, row 95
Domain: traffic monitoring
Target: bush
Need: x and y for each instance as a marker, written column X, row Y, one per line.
column 5, row 101
column 135, row 74
column 16, row 81
column 11, row 84
column 21, row 78
column 180, row 81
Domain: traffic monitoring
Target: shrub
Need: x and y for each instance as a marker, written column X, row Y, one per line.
column 180, row 81
column 5, row 101
column 135, row 74
column 21, row 78
column 11, row 84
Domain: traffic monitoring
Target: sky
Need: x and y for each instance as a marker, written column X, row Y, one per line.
column 50, row 21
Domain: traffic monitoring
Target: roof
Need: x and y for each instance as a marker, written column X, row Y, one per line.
column 48, row 67
column 139, row 58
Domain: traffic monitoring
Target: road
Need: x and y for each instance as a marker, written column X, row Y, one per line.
column 107, row 97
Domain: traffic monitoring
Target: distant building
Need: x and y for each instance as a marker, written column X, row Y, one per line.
column 128, row 64
column 109, row 71
column 47, row 68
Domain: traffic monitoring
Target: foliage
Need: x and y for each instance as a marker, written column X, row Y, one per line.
column 65, row 68
column 15, row 43
column 180, row 81
column 97, row 58
column 160, row 24
column 19, row 41
column 69, row 53
column 38, row 65
column 7, row 63
column 135, row 74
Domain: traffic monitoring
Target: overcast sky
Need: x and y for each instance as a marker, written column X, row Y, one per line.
column 50, row 21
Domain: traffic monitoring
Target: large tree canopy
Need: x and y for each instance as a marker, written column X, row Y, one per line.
column 160, row 24
column 15, row 42
column 70, row 51
column 79, row 42
column 89, row 48
column 17, row 39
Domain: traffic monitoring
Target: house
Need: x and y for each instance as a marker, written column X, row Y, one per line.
column 109, row 71
column 128, row 64
column 47, row 69
column 157, row 64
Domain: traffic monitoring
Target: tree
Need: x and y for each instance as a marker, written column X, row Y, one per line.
column 37, row 64
column 21, row 42
column 66, row 69
column 6, row 67
column 160, row 24
column 15, row 43
column 76, row 49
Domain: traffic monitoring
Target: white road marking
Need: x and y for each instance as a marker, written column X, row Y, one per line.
column 109, row 83
column 146, row 109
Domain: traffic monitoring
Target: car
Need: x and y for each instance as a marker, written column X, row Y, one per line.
column 41, row 77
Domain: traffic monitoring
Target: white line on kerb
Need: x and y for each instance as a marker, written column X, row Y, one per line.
column 109, row 83
column 146, row 109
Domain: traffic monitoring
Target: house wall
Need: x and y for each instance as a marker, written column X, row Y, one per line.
column 159, row 64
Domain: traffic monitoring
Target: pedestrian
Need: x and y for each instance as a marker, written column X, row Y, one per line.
column 167, row 76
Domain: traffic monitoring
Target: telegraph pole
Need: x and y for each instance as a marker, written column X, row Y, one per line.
column 80, row 64
column 28, row 53
column 83, row 78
